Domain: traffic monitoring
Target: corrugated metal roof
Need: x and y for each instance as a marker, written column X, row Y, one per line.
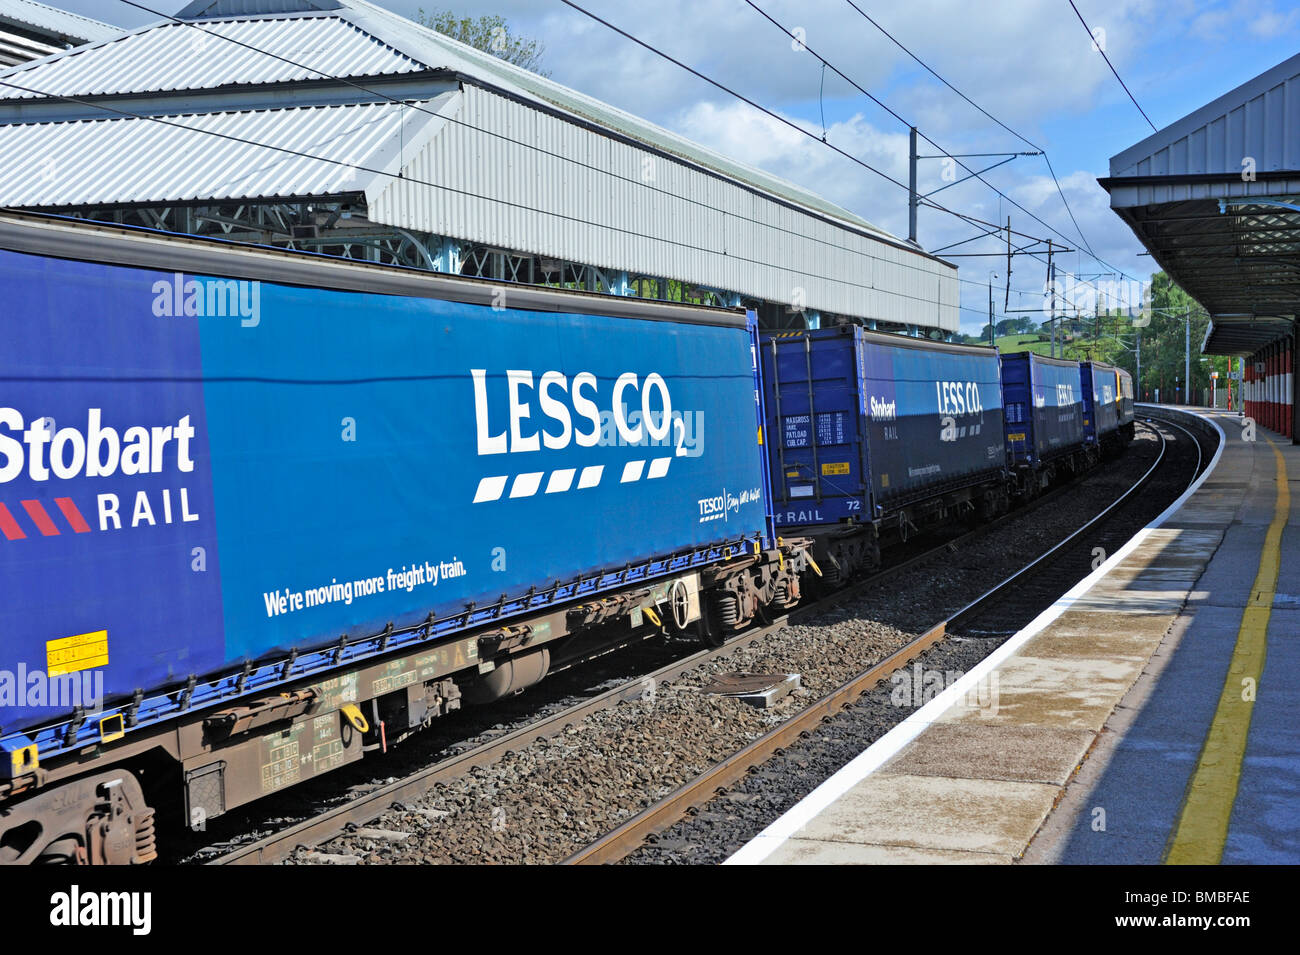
column 598, row 209
column 1215, row 198
column 527, row 165
column 289, row 152
column 17, row 45
column 242, row 8
column 1259, row 121
column 56, row 22
column 175, row 56
column 439, row 51
column 163, row 58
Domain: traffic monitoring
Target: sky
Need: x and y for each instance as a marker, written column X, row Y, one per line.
column 1029, row 63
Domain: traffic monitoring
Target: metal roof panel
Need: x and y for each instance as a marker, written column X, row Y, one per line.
column 177, row 56
column 1259, row 119
column 310, row 151
column 56, row 22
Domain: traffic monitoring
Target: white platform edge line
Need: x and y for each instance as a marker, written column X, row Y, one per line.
column 889, row 745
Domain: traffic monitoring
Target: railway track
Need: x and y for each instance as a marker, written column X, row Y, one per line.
column 365, row 809
column 1030, row 587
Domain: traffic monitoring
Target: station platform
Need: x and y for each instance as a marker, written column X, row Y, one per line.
column 1148, row 716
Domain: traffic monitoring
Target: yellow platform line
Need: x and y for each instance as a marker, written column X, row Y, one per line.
column 1202, row 828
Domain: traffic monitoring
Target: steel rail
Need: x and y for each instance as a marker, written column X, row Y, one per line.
column 364, row 809
column 627, row 838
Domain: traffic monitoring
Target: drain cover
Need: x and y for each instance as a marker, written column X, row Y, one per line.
column 756, row 689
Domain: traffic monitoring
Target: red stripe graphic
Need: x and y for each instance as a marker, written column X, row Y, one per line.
column 73, row 515
column 10, row 526
column 40, row 518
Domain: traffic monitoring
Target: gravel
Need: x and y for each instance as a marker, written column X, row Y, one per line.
column 547, row 800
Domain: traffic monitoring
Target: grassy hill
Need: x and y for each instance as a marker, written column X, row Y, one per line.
column 1032, row 341
column 1081, row 347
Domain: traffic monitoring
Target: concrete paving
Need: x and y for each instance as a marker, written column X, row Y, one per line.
column 1097, row 726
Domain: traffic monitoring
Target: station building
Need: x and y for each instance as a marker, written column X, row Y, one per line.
column 338, row 127
column 1215, row 198
column 31, row 30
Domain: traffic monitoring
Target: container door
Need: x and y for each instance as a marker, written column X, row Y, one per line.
column 812, row 404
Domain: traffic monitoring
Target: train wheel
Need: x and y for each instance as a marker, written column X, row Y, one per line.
column 100, row 820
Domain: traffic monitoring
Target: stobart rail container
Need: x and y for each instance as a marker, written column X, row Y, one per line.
column 1101, row 399
column 880, row 430
column 229, row 475
column 1108, row 404
column 1044, row 417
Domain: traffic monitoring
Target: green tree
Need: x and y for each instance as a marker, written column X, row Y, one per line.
column 1176, row 329
column 489, row 33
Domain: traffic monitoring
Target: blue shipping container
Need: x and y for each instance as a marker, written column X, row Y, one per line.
column 183, row 488
column 1044, row 407
column 862, row 423
column 1101, row 399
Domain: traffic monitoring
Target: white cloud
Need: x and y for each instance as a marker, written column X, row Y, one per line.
column 1024, row 60
column 1269, row 23
column 1260, row 18
column 738, row 131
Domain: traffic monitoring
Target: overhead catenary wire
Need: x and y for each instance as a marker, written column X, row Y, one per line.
column 455, row 120
column 434, row 185
column 127, row 114
column 640, row 182
column 973, row 173
column 1100, row 48
column 1030, row 143
column 783, row 120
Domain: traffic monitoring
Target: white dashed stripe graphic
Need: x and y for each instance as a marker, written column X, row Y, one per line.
column 490, row 488
column 561, row 480
column 526, row 485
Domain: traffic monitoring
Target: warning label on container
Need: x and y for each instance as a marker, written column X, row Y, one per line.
column 82, row 652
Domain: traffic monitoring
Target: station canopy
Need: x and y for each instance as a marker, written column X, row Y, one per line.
column 1215, row 198
column 338, row 125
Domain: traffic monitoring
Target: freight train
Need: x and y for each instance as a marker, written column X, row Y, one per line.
column 876, row 437
column 264, row 512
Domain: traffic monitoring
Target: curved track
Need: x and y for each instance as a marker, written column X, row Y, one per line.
column 1030, row 585
column 364, row 809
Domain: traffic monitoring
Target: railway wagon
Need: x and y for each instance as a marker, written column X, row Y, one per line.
column 874, row 436
column 1104, row 412
column 1125, row 384
column 1100, row 401
column 1044, row 410
column 262, row 513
